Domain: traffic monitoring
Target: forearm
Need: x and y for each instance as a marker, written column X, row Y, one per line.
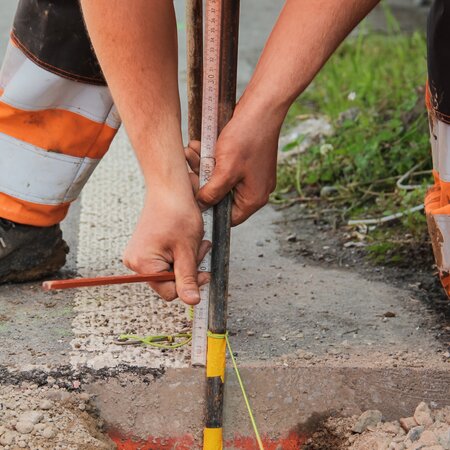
column 304, row 37
column 136, row 44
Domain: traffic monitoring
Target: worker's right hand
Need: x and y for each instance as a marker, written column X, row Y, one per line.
column 169, row 233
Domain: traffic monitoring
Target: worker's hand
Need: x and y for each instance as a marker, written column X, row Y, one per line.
column 169, row 232
column 246, row 160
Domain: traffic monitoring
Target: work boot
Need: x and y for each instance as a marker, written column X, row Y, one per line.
column 29, row 253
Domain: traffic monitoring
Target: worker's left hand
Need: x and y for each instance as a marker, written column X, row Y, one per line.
column 246, row 162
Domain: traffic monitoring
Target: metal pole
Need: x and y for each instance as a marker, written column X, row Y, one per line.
column 222, row 212
column 194, row 44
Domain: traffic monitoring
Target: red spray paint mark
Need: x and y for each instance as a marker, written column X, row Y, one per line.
column 187, row 442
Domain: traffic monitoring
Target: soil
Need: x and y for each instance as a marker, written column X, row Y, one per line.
column 315, row 235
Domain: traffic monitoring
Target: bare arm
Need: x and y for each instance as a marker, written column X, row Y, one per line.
column 136, row 44
column 304, row 37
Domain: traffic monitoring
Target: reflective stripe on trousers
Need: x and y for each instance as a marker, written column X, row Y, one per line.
column 437, row 200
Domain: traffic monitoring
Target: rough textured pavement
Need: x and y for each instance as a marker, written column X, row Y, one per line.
column 311, row 341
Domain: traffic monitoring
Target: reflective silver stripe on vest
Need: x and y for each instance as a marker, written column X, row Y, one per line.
column 38, row 176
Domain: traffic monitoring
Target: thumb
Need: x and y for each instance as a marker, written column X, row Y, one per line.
column 215, row 189
column 186, row 277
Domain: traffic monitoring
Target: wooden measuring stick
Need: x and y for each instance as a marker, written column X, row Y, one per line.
column 194, row 45
column 209, row 133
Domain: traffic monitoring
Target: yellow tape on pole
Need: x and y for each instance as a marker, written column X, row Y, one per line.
column 212, row 439
column 215, row 358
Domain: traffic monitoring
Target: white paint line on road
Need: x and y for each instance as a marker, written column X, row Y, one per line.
column 110, row 207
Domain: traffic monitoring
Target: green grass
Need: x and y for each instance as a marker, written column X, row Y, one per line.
column 377, row 80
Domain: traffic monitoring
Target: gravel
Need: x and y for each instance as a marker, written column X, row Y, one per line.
column 405, row 434
column 48, row 418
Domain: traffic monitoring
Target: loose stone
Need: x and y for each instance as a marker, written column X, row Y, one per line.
column 49, row 432
column 7, row 438
column 24, row 427
column 31, row 416
column 422, row 415
column 415, row 433
column 84, row 396
column 45, row 405
column 428, row 438
column 444, row 439
column 407, row 423
column 367, row 419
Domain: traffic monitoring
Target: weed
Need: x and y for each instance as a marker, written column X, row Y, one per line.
column 372, row 92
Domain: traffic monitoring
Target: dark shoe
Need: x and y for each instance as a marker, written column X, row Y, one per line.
column 29, row 253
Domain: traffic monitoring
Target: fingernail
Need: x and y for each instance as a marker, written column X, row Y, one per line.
column 192, row 295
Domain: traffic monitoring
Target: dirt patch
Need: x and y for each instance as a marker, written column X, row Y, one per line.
column 316, row 235
column 334, row 433
column 426, row 429
column 49, row 418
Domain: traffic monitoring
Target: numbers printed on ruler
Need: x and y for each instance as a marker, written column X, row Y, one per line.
column 211, row 61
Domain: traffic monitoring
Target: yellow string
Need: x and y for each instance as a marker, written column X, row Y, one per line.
column 216, row 335
column 244, row 394
column 157, row 340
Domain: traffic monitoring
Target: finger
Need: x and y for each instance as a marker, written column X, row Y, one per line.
column 244, row 206
column 205, row 246
column 185, row 268
column 195, row 146
column 193, row 159
column 165, row 289
column 203, row 278
column 215, row 189
column 195, row 182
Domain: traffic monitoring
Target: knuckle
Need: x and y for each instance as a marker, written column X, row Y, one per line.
column 195, row 145
column 137, row 264
column 168, row 297
column 208, row 196
column 126, row 262
column 188, row 280
column 166, row 294
column 259, row 202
